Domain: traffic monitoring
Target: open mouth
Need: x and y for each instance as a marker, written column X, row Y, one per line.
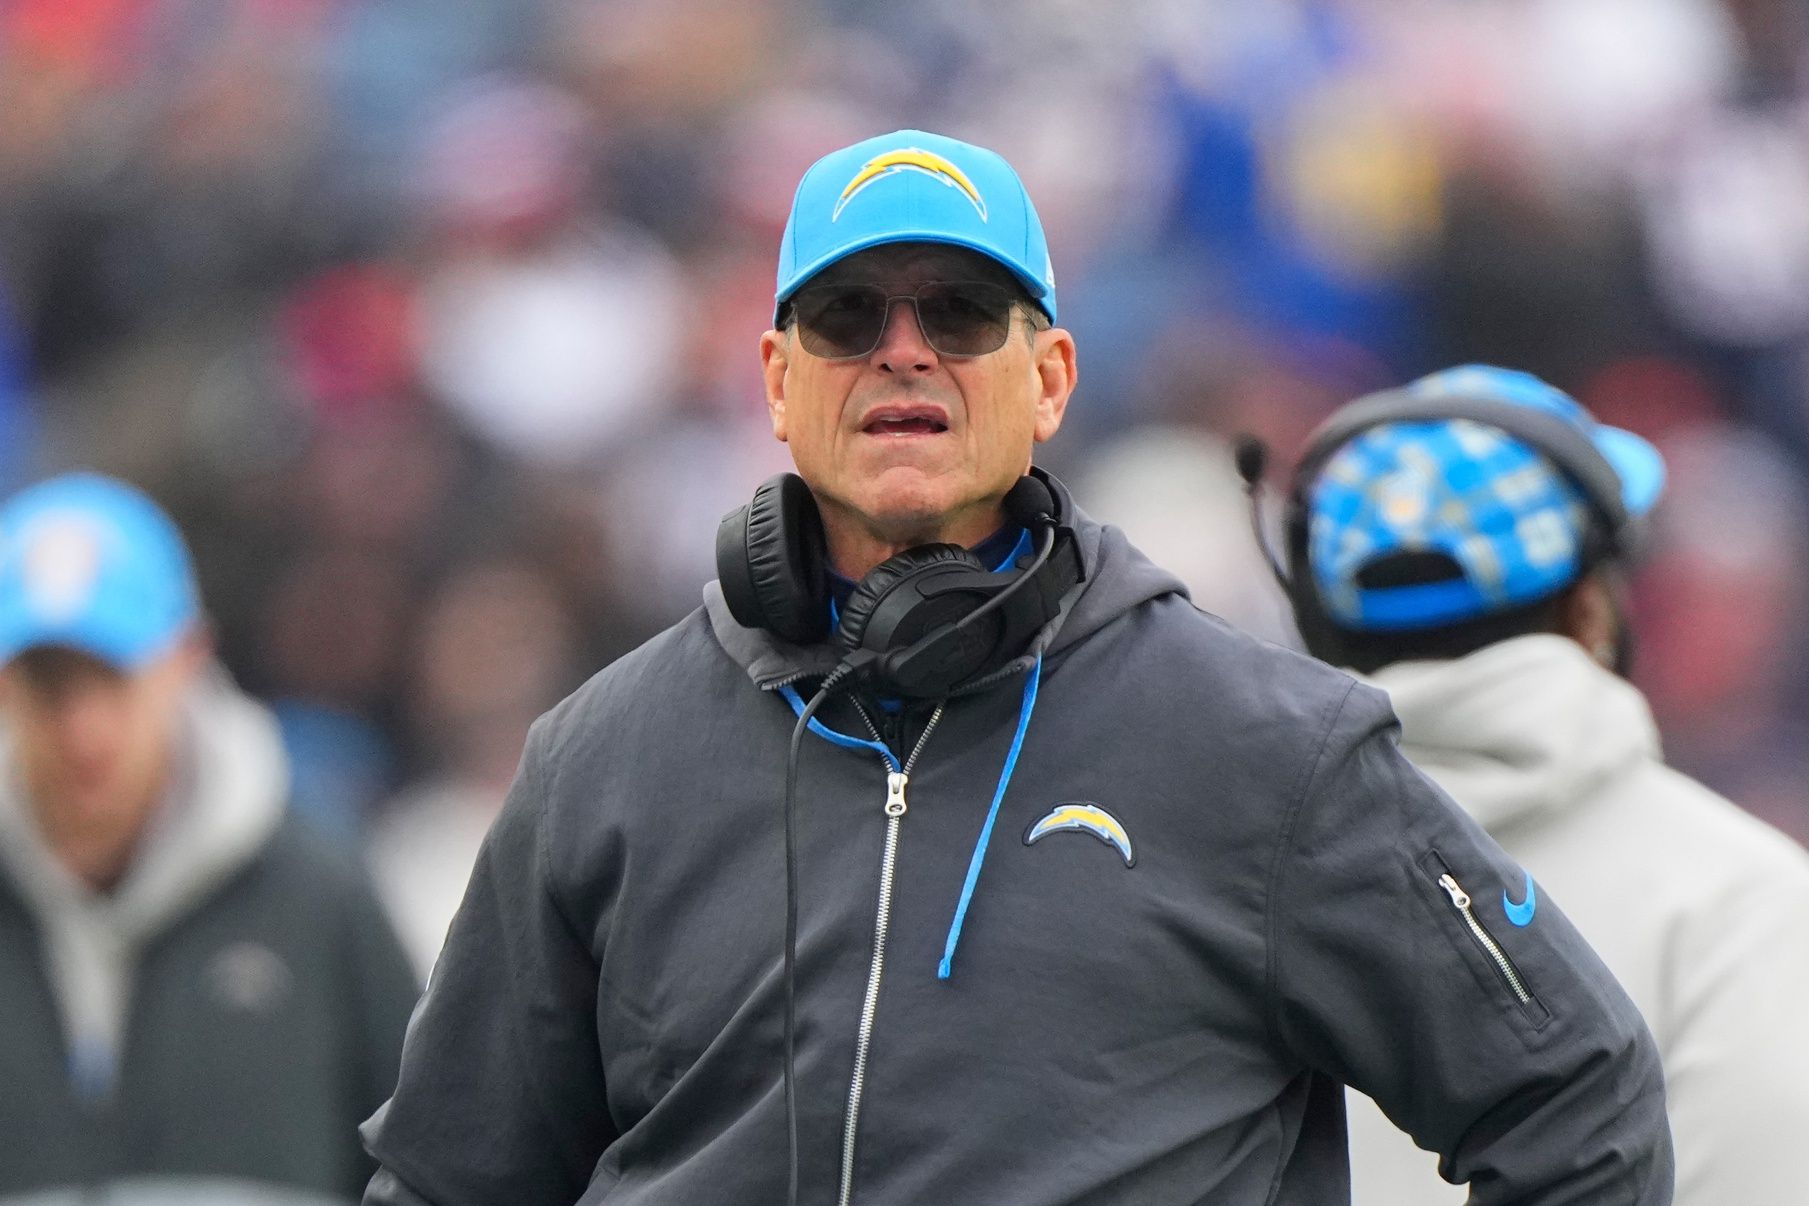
column 902, row 427
column 906, row 423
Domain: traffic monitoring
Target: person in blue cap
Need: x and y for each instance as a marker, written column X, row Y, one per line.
column 196, row 993
column 948, row 854
column 1469, row 563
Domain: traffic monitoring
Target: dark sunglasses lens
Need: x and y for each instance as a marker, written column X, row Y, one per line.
column 965, row 319
column 839, row 321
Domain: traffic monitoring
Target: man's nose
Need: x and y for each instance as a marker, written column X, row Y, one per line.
column 84, row 724
column 902, row 346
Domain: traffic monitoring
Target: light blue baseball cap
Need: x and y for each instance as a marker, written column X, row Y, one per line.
column 911, row 186
column 91, row 563
column 1510, row 522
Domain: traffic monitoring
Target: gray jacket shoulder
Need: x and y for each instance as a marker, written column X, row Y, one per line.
column 669, row 664
column 1233, row 679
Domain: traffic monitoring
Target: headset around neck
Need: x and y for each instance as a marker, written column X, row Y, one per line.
column 922, row 623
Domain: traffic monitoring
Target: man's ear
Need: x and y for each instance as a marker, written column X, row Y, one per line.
column 1057, row 373
column 199, row 646
column 188, row 659
column 1588, row 615
column 775, row 362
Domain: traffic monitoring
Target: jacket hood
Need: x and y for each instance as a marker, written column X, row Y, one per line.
column 1524, row 726
column 232, row 781
column 1100, row 598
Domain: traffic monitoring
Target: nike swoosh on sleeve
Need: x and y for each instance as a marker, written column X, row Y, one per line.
column 1522, row 914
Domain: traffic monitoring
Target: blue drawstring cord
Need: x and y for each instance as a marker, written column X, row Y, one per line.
column 992, row 814
column 828, row 734
column 944, row 969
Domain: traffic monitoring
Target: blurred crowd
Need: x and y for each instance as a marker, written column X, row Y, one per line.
column 435, row 325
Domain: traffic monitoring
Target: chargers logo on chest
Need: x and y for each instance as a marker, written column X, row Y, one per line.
column 1083, row 816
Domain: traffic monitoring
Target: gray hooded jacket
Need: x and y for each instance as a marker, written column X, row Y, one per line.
column 1152, row 1003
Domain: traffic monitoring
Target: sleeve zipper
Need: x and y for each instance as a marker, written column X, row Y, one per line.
column 1484, row 941
column 1509, row 972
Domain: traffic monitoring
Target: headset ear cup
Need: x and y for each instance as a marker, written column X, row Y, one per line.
column 771, row 561
column 873, row 591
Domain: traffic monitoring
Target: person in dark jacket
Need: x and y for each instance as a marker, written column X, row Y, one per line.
column 199, row 998
column 948, row 854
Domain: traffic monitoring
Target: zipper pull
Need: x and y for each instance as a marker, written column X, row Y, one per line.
column 1458, row 896
column 895, row 785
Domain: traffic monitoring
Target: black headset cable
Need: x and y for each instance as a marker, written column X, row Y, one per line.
column 1045, row 546
column 836, row 679
column 1033, row 505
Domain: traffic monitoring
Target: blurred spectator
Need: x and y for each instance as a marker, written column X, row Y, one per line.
column 1723, row 624
column 18, row 409
column 546, row 331
column 1176, row 495
column 661, row 504
column 494, row 649
column 333, row 630
column 197, row 986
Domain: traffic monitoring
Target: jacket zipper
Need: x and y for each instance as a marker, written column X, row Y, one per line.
column 896, row 782
column 1460, row 900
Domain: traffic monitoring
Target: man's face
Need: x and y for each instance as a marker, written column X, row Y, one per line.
column 911, row 445
column 93, row 745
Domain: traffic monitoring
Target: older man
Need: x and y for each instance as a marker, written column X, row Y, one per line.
column 948, row 854
column 196, row 994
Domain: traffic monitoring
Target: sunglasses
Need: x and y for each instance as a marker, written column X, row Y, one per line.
column 957, row 318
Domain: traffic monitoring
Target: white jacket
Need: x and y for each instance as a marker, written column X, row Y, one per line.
column 1698, row 908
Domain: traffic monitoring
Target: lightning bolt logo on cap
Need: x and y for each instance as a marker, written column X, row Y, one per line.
column 1087, row 818
column 61, row 564
column 910, row 159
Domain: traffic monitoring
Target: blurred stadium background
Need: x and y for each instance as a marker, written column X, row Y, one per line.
column 435, row 323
